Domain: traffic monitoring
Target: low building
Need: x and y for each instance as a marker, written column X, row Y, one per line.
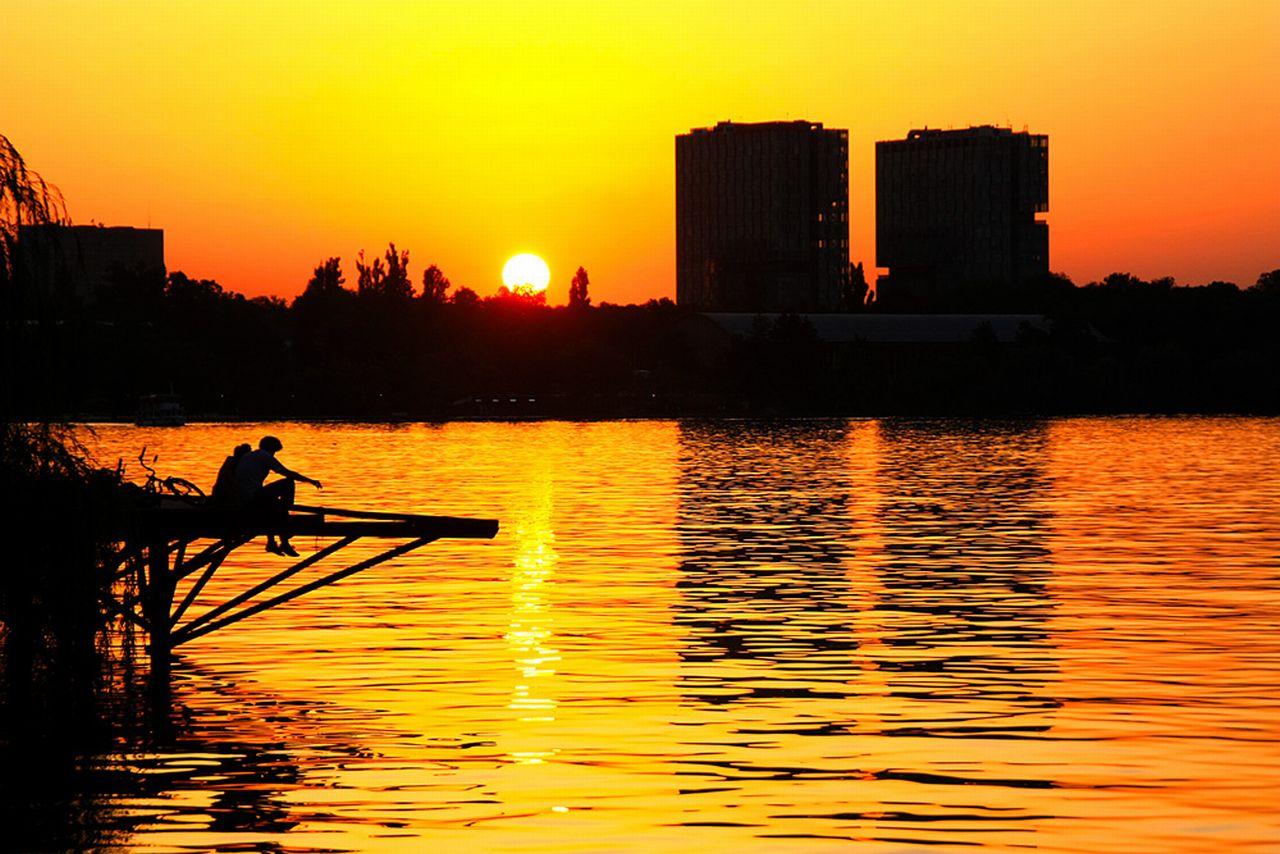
column 889, row 328
column 80, row 263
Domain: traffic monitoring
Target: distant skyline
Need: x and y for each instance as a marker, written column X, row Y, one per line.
column 265, row 137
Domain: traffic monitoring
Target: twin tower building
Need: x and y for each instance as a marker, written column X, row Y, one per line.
column 762, row 216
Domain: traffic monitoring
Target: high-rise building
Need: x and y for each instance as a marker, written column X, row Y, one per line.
column 956, row 211
column 762, row 217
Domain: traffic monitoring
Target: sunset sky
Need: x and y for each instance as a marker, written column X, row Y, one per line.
column 264, row 137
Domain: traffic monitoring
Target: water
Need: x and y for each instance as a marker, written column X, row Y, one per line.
column 707, row 635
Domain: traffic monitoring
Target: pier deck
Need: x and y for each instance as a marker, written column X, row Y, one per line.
column 154, row 565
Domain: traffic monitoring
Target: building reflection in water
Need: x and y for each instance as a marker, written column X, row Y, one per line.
column 883, row 578
column 763, row 532
column 963, row 565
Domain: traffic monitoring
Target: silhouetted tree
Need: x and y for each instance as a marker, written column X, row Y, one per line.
column 435, row 286
column 369, row 276
column 521, row 296
column 182, row 290
column 856, row 291
column 1130, row 282
column 390, row 281
column 1059, row 284
column 1268, row 283
column 52, row 582
column 271, row 303
column 465, row 296
column 780, row 363
column 326, row 282
column 397, row 284
column 25, row 199
column 578, row 297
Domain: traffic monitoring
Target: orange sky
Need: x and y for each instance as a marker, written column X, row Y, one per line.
column 264, row 137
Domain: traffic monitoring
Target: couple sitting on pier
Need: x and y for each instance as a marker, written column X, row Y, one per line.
column 242, row 484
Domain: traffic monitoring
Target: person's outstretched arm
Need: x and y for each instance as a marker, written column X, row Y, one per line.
column 284, row 471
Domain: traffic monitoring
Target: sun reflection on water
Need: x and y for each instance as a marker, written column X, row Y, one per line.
column 529, row 635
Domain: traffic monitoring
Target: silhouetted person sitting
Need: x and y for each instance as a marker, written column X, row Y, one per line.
column 274, row 498
column 224, row 488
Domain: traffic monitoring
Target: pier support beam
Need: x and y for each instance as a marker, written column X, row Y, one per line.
column 154, row 546
column 157, row 600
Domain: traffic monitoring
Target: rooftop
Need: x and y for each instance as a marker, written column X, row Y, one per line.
column 893, row 328
column 96, row 228
column 970, row 133
column 729, row 126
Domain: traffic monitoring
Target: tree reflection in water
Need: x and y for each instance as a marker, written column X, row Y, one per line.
column 127, row 766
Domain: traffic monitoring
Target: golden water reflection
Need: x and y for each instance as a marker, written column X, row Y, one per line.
column 711, row 635
column 531, row 630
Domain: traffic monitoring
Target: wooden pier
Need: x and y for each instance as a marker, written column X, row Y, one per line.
column 179, row 545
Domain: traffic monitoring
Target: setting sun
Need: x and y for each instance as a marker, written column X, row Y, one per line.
column 526, row 272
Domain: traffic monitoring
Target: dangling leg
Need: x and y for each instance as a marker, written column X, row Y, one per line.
column 283, row 493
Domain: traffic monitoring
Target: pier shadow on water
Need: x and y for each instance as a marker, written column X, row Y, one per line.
column 131, row 760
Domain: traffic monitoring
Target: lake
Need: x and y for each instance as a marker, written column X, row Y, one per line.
column 707, row 635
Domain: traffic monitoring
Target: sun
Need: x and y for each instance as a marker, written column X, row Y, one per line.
column 526, row 273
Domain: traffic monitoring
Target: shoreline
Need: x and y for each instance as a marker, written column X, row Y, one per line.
column 105, row 421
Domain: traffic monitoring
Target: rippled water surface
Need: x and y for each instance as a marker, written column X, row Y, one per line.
column 707, row 635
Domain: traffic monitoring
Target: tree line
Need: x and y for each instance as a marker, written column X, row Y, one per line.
column 388, row 343
column 402, row 346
